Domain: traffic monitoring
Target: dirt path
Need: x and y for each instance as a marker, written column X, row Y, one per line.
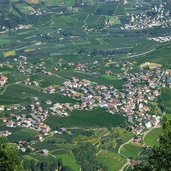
column 5, row 87
column 86, row 20
column 119, row 150
column 125, row 165
column 147, row 132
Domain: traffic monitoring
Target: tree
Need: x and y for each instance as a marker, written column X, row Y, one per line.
column 85, row 155
column 155, row 109
column 9, row 159
column 66, row 168
column 160, row 157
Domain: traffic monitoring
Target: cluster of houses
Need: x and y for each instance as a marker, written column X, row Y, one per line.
column 23, row 146
column 62, row 109
column 81, row 67
column 157, row 15
column 50, row 89
column 161, row 39
column 3, row 79
column 133, row 100
column 5, row 133
column 33, row 120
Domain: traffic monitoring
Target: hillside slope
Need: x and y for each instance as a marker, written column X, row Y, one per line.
column 161, row 55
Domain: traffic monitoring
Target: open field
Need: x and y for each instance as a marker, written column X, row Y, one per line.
column 168, row 116
column 151, row 139
column 131, row 150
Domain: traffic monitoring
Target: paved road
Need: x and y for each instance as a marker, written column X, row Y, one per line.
column 137, row 55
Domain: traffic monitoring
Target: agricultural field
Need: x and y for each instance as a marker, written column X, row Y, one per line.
column 96, row 118
column 20, row 134
column 4, row 39
column 111, row 160
column 151, row 139
column 75, row 23
column 69, row 160
column 159, row 56
column 131, row 150
column 166, row 99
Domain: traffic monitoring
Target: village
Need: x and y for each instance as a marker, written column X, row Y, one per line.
column 157, row 15
column 84, row 83
column 135, row 100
